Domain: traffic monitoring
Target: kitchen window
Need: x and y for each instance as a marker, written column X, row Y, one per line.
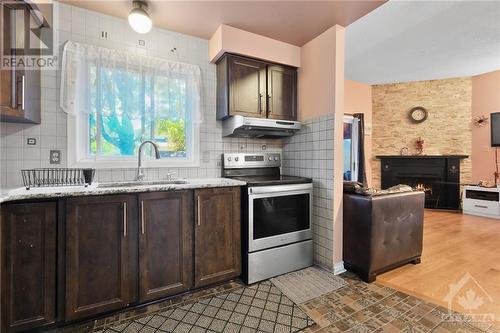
column 116, row 100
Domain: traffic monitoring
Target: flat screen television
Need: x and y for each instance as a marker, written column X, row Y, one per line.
column 495, row 129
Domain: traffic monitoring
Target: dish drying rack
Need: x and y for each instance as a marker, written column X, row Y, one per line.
column 51, row 177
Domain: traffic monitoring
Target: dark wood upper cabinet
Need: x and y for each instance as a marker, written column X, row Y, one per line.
column 20, row 89
column 246, row 83
column 255, row 88
column 101, row 233
column 165, row 244
column 28, row 264
column 217, row 235
column 282, row 92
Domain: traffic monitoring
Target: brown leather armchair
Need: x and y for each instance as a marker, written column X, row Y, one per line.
column 382, row 232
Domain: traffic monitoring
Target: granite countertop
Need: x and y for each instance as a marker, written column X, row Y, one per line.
column 94, row 189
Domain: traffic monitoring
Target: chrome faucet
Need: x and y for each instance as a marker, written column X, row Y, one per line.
column 140, row 174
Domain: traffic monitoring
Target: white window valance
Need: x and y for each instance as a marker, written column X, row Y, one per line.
column 78, row 76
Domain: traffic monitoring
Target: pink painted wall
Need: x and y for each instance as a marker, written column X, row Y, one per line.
column 358, row 99
column 320, row 92
column 233, row 40
column 338, row 147
column 485, row 100
column 317, row 75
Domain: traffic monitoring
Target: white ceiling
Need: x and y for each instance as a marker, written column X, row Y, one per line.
column 423, row 40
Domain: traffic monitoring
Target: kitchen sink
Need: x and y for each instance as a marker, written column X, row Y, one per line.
column 142, row 183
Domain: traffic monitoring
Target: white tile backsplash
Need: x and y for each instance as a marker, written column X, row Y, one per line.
column 310, row 154
column 85, row 26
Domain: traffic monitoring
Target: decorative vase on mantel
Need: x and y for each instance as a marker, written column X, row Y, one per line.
column 420, row 146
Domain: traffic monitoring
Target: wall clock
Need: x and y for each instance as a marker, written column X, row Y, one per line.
column 418, row 114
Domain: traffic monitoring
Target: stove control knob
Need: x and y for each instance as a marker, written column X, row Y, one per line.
column 229, row 158
column 270, row 158
column 236, row 159
column 276, row 158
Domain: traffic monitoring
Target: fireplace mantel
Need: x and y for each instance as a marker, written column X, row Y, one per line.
column 461, row 157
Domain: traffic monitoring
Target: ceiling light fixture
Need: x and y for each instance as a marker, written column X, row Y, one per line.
column 139, row 19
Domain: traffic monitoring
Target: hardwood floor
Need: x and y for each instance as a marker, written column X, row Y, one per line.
column 460, row 250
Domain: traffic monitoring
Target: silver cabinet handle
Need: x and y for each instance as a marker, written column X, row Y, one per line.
column 199, row 220
column 142, row 218
column 124, row 219
column 480, row 206
column 260, row 103
column 23, row 83
column 22, row 92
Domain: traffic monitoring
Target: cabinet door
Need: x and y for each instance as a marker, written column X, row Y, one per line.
column 19, row 89
column 282, row 92
column 165, row 244
column 28, row 265
column 217, row 235
column 247, row 87
column 99, row 254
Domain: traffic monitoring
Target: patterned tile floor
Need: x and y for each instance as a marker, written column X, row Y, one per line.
column 356, row 307
column 362, row 307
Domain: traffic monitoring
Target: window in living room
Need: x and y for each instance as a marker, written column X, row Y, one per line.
column 351, row 148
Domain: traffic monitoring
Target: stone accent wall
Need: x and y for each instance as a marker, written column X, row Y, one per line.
column 309, row 153
column 447, row 130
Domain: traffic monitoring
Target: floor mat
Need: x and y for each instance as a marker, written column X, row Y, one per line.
column 257, row 308
column 306, row 284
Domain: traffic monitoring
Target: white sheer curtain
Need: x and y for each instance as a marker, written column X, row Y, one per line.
column 128, row 82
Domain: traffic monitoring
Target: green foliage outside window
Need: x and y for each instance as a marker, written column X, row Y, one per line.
column 174, row 130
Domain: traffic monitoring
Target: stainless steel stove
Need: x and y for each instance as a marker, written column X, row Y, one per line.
column 276, row 216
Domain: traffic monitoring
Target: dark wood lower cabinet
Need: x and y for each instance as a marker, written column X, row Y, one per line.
column 28, row 265
column 100, row 235
column 165, row 244
column 217, row 235
column 82, row 257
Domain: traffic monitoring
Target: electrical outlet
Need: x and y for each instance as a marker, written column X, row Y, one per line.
column 55, row 157
column 31, row 141
column 142, row 42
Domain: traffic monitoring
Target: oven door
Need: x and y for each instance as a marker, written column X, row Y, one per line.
column 279, row 215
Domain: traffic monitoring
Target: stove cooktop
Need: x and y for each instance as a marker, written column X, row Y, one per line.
column 267, row 180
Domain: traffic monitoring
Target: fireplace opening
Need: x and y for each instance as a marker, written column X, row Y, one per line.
column 424, row 188
column 430, row 185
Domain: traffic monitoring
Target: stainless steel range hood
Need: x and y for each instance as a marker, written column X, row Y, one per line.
column 239, row 126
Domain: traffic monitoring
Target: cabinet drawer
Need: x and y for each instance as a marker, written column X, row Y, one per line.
column 482, row 206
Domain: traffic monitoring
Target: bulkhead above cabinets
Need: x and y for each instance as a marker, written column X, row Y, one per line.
column 255, row 88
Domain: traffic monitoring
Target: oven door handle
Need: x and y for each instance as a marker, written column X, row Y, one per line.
column 280, row 188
